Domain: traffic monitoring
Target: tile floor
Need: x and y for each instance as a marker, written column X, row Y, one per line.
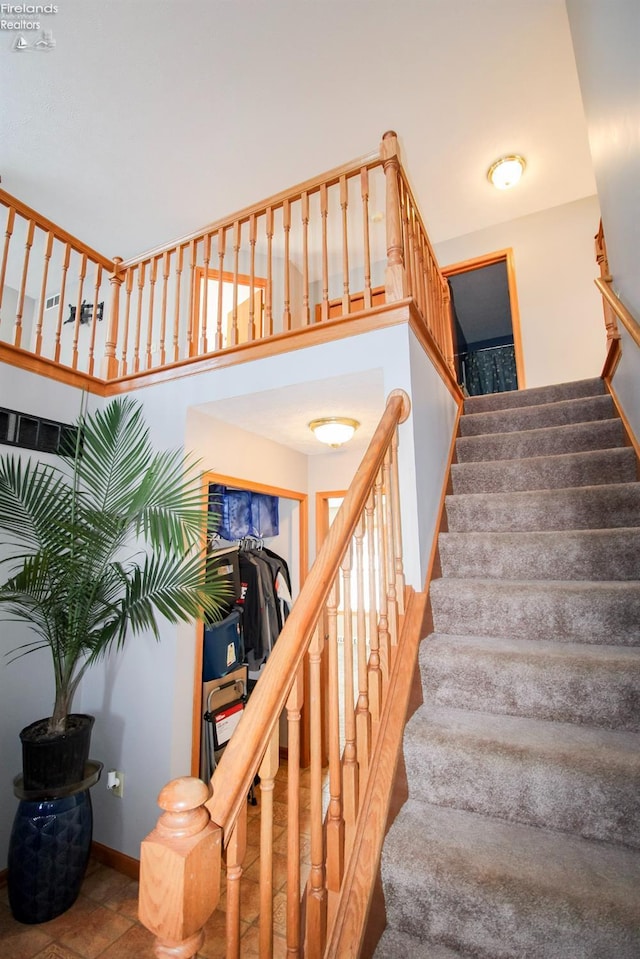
column 103, row 924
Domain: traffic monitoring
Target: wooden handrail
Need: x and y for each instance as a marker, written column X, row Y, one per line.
column 328, row 179
column 235, row 773
column 630, row 323
column 50, row 227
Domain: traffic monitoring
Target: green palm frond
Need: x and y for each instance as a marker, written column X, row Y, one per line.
column 103, row 544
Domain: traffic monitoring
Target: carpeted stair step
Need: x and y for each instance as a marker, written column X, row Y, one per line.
column 562, row 413
column 562, row 682
column 562, row 470
column 578, row 779
column 509, row 891
column 587, row 507
column 604, row 612
column 397, row 945
column 600, row 554
column 535, row 396
column 575, row 438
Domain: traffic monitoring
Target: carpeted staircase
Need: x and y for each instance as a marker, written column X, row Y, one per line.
column 521, row 835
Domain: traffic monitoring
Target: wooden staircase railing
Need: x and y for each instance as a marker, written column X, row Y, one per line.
column 270, row 271
column 357, row 581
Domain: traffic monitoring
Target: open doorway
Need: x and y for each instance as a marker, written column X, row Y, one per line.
column 486, row 324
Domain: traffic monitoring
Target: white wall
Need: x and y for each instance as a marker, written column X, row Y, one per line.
column 563, row 335
column 605, row 41
column 626, row 381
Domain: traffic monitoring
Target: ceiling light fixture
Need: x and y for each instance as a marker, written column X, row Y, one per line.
column 506, row 171
column 334, row 430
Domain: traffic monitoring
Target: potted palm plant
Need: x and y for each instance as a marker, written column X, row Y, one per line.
column 101, row 543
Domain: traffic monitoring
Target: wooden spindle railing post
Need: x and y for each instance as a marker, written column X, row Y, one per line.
column 153, row 275
column 374, row 670
column 180, row 870
column 253, row 236
column 294, row 712
column 316, row 888
column 344, row 201
column 363, row 714
column 237, row 227
column 390, row 552
column 166, row 272
column 397, row 523
column 191, row 323
column 610, row 318
column 268, row 319
column 324, row 213
column 448, row 328
column 364, row 193
column 395, row 277
column 76, row 326
column 235, row 852
column 63, row 286
column 350, row 755
column 8, row 233
column 176, row 305
column 304, row 203
column 335, row 821
column 17, row 339
column 43, row 292
column 383, row 576
column 94, row 318
column 202, row 320
column 286, row 225
column 222, row 241
column 138, row 332
column 267, row 773
column 127, row 320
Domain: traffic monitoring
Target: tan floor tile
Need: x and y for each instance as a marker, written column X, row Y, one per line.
column 99, row 928
column 56, row 951
column 136, row 943
column 104, row 884
column 68, row 921
column 250, row 944
column 279, row 871
column 215, row 931
column 19, row 941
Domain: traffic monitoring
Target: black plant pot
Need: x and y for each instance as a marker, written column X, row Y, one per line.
column 53, row 761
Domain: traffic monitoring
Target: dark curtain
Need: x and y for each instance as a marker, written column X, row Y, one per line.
column 490, row 371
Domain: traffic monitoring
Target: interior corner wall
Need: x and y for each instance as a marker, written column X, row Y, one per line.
column 563, row 334
column 605, row 41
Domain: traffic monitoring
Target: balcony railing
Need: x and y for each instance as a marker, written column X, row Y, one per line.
column 348, row 242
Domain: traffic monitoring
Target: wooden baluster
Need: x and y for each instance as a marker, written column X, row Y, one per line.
column 127, row 318
column 316, row 888
column 17, row 339
column 448, row 328
column 324, row 213
column 418, row 279
column 153, row 275
column 407, row 240
column 386, row 518
column 76, row 326
column 395, row 277
column 286, row 224
column 306, row 315
column 180, row 870
column 363, row 714
column 166, row 272
column 335, row 821
column 350, row 755
column 610, row 318
column 191, row 330
column 252, row 280
column 43, row 292
column 236, row 254
column 269, row 303
column 344, row 203
column 176, row 309
column 8, row 233
column 94, row 318
column 375, row 673
column 109, row 365
column 235, row 853
column 267, row 773
column 222, row 241
column 136, row 347
column 397, row 523
column 294, row 712
column 364, row 193
column 63, row 286
column 383, row 542
column 204, row 319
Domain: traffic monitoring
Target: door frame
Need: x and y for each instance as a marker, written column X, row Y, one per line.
column 488, row 259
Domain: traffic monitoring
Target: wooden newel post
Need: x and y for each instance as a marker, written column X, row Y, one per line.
column 395, row 278
column 109, row 361
column 180, row 870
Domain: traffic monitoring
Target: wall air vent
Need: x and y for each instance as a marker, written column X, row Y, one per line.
column 35, row 433
column 52, row 301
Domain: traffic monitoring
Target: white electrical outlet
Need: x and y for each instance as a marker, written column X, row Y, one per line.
column 115, row 782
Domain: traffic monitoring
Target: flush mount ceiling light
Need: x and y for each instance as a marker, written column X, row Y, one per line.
column 506, row 171
column 334, row 430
